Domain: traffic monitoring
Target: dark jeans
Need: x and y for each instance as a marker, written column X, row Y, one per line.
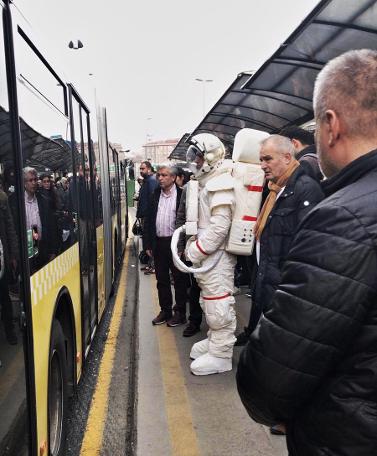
column 195, row 309
column 163, row 263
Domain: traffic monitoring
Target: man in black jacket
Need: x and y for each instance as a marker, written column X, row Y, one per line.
column 158, row 230
column 146, row 190
column 312, row 361
column 305, row 151
column 294, row 194
column 144, row 200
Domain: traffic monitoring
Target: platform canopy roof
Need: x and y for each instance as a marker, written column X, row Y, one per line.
column 280, row 93
column 37, row 149
column 179, row 151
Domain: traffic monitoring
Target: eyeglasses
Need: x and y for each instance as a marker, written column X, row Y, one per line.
column 32, row 179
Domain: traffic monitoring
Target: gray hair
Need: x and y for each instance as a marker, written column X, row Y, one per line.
column 282, row 144
column 172, row 169
column 348, row 86
column 30, row 170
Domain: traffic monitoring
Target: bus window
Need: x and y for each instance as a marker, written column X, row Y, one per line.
column 98, row 217
column 32, row 72
column 112, row 180
column 50, row 218
column 13, row 404
column 84, row 198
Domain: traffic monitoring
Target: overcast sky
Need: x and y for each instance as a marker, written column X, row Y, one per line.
column 145, row 55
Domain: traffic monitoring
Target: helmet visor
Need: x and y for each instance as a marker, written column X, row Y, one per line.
column 195, row 158
column 192, row 153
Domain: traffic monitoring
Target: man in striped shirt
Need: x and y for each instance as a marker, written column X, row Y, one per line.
column 158, row 228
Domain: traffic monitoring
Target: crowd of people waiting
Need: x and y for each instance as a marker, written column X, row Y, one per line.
column 309, row 366
column 48, row 223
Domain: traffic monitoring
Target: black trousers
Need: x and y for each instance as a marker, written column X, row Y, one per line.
column 163, row 263
column 195, row 309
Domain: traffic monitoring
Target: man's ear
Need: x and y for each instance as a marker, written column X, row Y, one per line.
column 288, row 157
column 296, row 143
column 332, row 125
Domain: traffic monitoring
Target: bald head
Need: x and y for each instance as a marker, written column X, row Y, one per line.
column 348, row 86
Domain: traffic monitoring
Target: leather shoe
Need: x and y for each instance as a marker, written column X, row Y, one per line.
column 161, row 318
column 176, row 320
column 190, row 330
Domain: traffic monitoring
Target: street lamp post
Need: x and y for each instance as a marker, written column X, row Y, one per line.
column 75, row 45
column 203, row 82
column 148, row 136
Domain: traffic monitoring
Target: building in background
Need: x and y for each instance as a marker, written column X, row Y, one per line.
column 157, row 152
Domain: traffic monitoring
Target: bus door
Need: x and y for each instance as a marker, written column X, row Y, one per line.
column 85, row 190
column 118, row 242
column 14, row 429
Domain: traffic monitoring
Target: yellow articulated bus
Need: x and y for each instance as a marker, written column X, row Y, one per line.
column 63, row 225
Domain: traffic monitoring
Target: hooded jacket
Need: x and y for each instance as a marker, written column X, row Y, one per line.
column 311, row 363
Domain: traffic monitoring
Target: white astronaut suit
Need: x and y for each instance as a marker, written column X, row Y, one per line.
column 216, row 198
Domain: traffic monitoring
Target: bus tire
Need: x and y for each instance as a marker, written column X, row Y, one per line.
column 57, row 392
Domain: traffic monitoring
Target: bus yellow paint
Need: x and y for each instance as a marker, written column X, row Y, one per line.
column 93, row 437
column 45, row 286
column 183, row 438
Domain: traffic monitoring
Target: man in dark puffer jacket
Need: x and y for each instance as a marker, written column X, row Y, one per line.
column 312, row 361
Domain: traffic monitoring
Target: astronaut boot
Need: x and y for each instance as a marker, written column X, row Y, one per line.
column 199, row 348
column 208, row 364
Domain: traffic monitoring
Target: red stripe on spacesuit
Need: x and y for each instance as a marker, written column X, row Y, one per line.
column 212, row 298
column 203, row 252
column 254, row 188
column 249, row 218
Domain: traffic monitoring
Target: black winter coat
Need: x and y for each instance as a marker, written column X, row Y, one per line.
column 312, row 361
column 143, row 206
column 299, row 197
column 309, row 161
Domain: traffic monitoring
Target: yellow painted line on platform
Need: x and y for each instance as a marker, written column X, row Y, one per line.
column 183, row 437
column 93, row 437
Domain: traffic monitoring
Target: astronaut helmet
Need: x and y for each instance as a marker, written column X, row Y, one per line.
column 205, row 152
